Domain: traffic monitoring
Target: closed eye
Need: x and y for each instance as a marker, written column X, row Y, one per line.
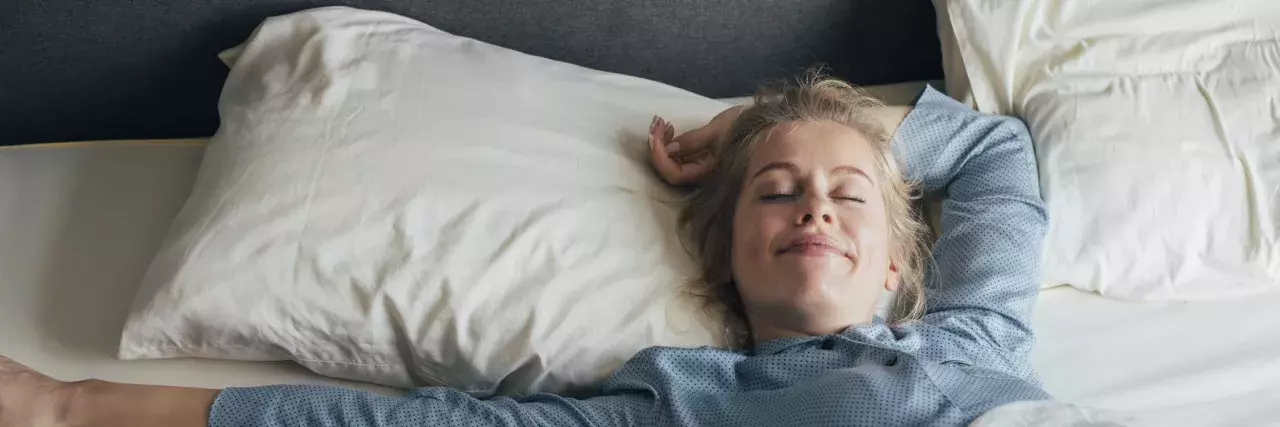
column 852, row 199
column 778, row 197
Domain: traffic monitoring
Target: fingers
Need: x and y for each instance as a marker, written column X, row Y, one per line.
column 680, row 160
column 669, row 169
column 664, row 132
column 653, row 127
column 677, row 146
column 666, row 166
column 669, row 132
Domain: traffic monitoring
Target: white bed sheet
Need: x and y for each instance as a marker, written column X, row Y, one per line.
column 1169, row 364
column 80, row 222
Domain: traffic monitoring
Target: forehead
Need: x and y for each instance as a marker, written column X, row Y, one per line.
column 814, row 146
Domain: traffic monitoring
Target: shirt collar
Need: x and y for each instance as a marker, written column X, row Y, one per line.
column 778, row 345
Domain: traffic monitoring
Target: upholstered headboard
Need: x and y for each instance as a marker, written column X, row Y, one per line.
column 85, row 69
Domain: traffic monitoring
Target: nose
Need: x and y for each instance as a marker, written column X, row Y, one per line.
column 826, row 218
column 815, row 208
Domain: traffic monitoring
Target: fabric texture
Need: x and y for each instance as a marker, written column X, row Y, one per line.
column 1154, row 123
column 1047, row 413
column 953, row 73
column 968, row 355
column 1136, row 358
column 390, row 203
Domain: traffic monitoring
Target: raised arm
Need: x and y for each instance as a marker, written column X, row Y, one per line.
column 985, row 275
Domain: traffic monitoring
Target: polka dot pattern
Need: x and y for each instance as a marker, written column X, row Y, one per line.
column 968, row 355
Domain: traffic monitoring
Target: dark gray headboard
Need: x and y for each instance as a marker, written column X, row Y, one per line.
column 95, row 69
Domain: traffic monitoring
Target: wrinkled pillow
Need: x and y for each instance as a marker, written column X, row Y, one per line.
column 1155, row 129
column 390, row 203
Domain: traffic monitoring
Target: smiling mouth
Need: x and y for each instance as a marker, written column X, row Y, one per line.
column 816, row 249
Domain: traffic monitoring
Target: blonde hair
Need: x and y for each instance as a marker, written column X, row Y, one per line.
column 707, row 219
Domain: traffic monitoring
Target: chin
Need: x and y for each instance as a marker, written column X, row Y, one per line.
column 814, row 272
column 812, row 290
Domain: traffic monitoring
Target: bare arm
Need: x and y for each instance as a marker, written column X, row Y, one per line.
column 100, row 403
column 29, row 398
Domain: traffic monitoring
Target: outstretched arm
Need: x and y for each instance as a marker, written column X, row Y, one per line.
column 303, row 405
column 28, row 398
column 100, row 403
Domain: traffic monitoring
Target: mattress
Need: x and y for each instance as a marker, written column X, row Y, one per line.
column 79, row 223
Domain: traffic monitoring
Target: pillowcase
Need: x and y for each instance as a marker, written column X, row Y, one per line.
column 955, row 79
column 390, row 203
column 1155, row 128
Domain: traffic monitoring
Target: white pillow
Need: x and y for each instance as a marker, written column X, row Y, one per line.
column 1155, row 128
column 955, row 79
column 390, row 203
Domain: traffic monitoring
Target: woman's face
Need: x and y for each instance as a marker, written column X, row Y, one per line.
column 810, row 249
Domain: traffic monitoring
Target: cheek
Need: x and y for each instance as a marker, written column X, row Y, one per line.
column 755, row 227
column 753, row 230
column 873, row 239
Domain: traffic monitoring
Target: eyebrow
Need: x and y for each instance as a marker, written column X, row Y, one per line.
column 846, row 169
column 795, row 170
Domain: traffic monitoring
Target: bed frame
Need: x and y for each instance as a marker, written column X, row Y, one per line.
column 88, row 70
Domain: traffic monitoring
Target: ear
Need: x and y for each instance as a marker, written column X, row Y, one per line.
column 892, row 279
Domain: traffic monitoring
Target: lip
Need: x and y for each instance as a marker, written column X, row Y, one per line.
column 813, row 245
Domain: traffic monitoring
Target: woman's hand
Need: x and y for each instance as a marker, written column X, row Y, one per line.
column 29, row 398
column 688, row 158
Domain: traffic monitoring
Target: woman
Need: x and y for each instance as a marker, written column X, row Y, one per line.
column 802, row 220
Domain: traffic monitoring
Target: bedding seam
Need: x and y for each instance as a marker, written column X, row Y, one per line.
column 223, row 347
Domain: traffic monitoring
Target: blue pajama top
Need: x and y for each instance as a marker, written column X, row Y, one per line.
column 968, row 355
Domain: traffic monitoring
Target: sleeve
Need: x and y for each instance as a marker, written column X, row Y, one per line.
column 984, row 275
column 308, row 405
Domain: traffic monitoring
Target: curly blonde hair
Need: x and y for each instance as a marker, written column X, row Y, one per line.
column 707, row 219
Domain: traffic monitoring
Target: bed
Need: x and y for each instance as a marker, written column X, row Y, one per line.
column 81, row 221
column 75, row 245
